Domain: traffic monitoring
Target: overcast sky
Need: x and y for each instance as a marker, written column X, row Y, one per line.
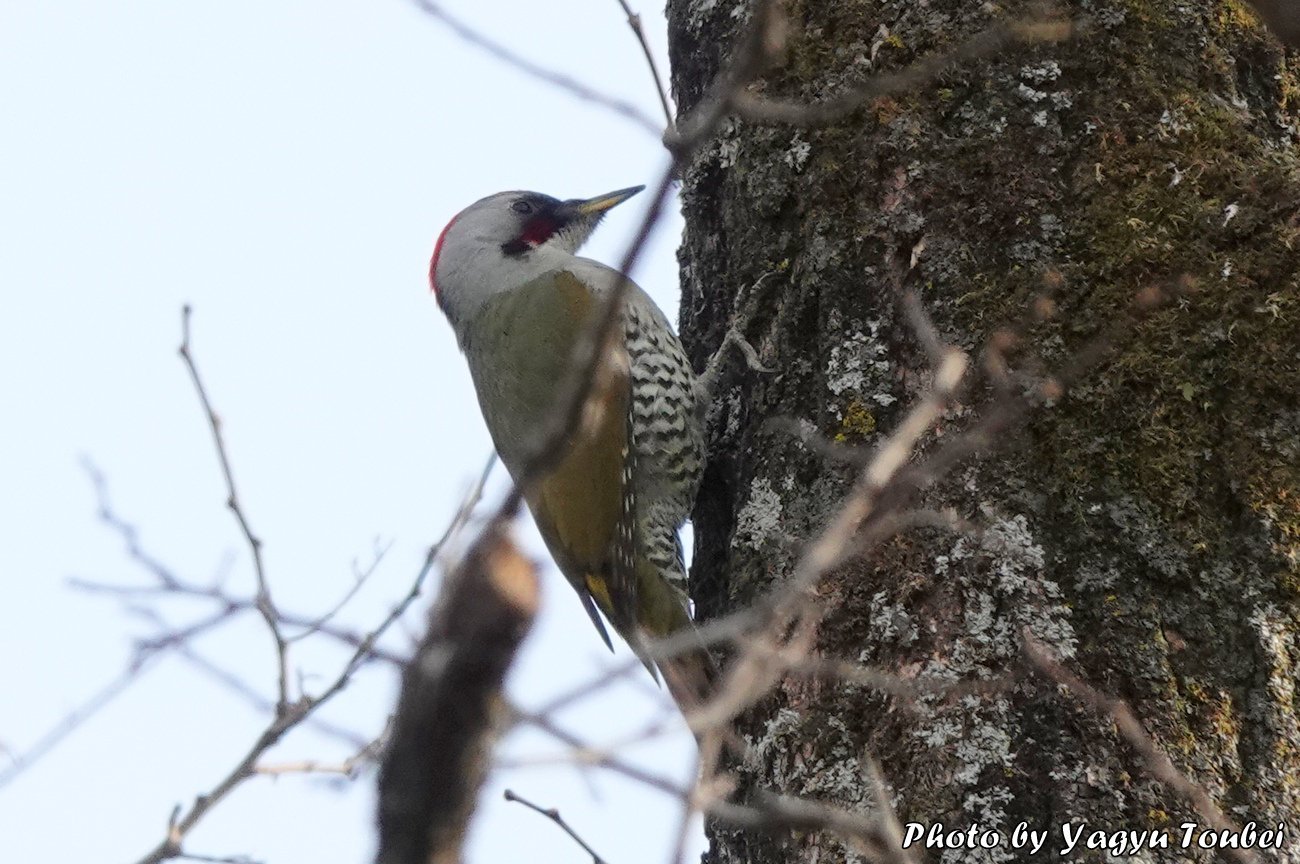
column 284, row 167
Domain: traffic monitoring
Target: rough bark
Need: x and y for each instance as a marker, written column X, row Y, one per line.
column 1146, row 527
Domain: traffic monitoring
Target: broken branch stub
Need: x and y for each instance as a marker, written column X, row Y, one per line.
column 451, row 693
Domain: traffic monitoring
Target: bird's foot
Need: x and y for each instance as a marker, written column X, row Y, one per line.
column 712, row 376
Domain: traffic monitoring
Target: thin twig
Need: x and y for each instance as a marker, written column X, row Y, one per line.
column 594, row 342
column 825, row 551
column 239, row 687
column 554, row 815
column 170, row 638
column 1282, row 17
column 688, row 811
column 1157, row 761
column 218, row 859
column 183, row 820
column 360, row 578
column 169, row 584
column 234, row 605
column 265, row 605
column 76, row 718
column 560, row 80
column 886, row 814
column 757, row 47
column 349, row 767
column 773, row 812
column 585, row 754
column 634, row 21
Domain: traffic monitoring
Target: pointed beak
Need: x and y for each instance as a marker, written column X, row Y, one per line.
column 577, row 218
column 601, row 203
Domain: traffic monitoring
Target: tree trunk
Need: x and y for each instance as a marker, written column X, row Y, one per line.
column 1145, row 526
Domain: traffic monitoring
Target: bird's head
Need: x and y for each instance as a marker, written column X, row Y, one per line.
column 508, row 239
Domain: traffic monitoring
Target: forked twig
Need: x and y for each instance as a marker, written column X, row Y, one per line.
column 634, row 21
column 553, row 814
column 265, row 605
column 559, row 80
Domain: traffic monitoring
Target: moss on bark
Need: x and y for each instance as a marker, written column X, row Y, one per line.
column 1147, row 527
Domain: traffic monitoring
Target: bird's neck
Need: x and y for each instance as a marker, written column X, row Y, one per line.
column 468, row 282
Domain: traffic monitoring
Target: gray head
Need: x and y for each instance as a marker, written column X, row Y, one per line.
column 506, row 240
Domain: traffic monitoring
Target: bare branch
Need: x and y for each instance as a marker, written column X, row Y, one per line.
column 286, row 717
column 182, row 822
column 444, row 725
column 236, row 685
column 230, row 606
column 784, row 813
column 586, row 754
column 554, row 815
column 265, row 605
column 218, row 859
column 689, row 809
column 593, row 345
column 76, row 718
column 360, row 578
column 634, row 21
column 349, row 767
column 1282, row 17
column 890, row 827
column 560, row 80
column 761, row 42
column 1157, row 761
column 826, row 550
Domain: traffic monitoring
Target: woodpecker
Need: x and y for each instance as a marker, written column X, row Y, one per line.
column 506, row 274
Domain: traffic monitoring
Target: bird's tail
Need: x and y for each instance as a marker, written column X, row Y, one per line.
column 692, row 677
column 691, row 673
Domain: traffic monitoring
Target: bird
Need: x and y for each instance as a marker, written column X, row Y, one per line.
column 506, row 273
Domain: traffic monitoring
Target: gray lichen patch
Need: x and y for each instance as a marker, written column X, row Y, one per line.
column 859, row 367
column 760, row 517
column 1145, row 524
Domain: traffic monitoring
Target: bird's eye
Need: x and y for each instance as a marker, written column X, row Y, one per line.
column 522, row 207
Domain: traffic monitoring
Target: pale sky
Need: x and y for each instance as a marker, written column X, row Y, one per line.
column 283, row 167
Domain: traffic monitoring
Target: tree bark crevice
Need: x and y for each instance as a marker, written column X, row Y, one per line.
column 1145, row 526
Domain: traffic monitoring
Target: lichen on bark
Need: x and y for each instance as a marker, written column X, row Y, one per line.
column 1146, row 526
